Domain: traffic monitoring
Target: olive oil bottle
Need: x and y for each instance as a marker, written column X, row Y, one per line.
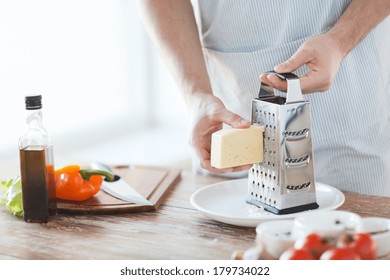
column 37, row 166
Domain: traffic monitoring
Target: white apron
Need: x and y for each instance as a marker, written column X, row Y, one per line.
column 351, row 121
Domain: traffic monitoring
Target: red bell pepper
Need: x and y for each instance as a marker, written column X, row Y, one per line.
column 74, row 183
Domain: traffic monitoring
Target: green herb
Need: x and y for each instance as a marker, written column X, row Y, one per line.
column 12, row 196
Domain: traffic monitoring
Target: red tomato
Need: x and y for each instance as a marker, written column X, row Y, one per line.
column 296, row 254
column 343, row 253
column 314, row 243
column 361, row 243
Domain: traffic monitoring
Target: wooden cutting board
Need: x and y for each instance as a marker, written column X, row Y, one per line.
column 152, row 182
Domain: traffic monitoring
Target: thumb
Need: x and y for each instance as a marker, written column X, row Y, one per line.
column 234, row 120
column 298, row 59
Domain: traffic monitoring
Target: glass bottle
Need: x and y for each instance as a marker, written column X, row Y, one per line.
column 37, row 165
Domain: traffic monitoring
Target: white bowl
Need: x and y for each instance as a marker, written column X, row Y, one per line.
column 327, row 223
column 275, row 236
column 379, row 228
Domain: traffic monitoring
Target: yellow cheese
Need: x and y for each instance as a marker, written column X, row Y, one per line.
column 237, row 146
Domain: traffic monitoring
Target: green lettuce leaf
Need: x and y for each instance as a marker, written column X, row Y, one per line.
column 12, row 196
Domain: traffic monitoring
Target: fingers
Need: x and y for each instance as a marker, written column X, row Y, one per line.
column 242, row 168
column 233, row 120
column 203, row 154
column 311, row 82
column 320, row 56
column 207, row 119
column 299, row 58
column 274, row 81
column 205, row 164
column 315, row 82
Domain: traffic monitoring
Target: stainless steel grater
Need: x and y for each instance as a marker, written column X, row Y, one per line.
column 284, row 182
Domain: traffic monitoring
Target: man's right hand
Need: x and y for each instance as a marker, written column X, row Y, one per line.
column 172, row 27
column 208, row 114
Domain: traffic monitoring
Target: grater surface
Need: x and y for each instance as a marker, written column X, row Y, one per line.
column 283, row 182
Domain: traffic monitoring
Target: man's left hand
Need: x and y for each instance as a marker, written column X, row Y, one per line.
column 321, row 55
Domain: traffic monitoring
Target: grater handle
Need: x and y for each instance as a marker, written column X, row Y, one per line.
column 284, row 76
column 294, row 93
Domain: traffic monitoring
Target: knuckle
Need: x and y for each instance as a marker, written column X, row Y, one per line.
column 291, row 62
column 323, row 88
column 327, row 84
column 234, row 118
column 204, row 165
column 305, row 52
column 214, row 113
column 306, row 49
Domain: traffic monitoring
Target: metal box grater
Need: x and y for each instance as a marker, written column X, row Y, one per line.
column 284, row 182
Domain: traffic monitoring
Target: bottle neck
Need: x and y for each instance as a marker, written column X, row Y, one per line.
column 34, row 119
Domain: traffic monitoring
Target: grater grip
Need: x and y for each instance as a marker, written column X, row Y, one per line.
column 284, row 76
column 294, row 93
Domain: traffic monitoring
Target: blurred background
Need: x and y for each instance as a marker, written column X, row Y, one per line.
column 107, row 96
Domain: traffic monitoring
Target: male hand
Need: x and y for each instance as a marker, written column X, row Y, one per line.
column 208, row 113
column 322, row 56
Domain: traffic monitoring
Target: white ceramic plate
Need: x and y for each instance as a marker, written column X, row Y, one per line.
column 225, row 202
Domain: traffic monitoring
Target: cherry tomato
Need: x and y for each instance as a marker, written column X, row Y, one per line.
column 296, row 254
column 343, row 253
column 314, row 243
column 361, row 243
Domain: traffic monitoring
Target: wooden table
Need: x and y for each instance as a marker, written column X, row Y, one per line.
column 175, row 231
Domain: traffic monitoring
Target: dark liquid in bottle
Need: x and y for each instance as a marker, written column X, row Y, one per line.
column 51, row 189
column 34, row 185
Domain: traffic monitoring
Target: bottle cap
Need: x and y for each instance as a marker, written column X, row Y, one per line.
column 33, row 102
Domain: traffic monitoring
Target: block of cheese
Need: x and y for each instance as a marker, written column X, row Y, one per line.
column 237, row 146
